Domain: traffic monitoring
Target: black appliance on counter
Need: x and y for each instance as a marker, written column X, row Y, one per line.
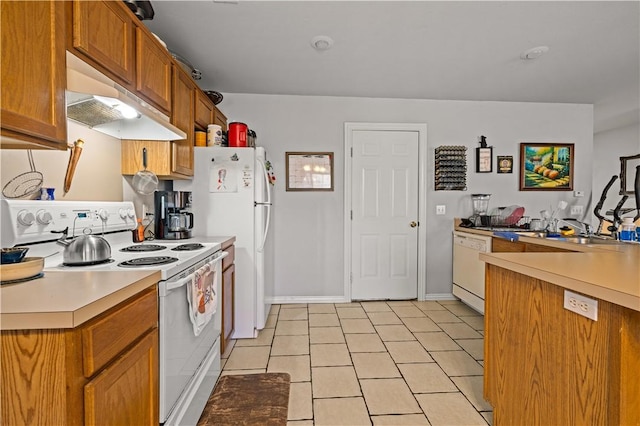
column 173, row 218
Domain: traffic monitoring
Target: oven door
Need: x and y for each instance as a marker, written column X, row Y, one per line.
column 182, row 353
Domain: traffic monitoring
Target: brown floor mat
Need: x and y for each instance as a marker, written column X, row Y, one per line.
column 249, row 399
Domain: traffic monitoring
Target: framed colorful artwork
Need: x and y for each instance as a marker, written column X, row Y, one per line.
column 546, row 166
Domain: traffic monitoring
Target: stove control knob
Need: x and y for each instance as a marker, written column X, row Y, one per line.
column 44, row 217
column 26, row 218
column 122, row 213
column 103, row 215
column 131, row 213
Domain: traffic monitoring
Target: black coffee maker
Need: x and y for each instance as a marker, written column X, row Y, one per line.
column 173, row 218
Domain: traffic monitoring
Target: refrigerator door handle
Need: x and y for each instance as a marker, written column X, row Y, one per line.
column 265, row 175
column 266, row 227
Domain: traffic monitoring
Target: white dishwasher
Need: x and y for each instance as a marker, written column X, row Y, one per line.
column 468, row 269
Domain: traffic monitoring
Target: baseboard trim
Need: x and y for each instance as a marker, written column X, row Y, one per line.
column 283, row 300
column 440, row 296
column 308, row 299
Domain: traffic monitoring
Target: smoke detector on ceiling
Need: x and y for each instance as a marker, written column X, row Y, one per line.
column 534, row 52
column 321, row 42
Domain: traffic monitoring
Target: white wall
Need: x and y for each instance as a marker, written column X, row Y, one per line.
column 308, row 227
column 608, row 147
column 97, row 175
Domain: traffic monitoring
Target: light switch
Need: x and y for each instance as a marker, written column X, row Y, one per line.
column 441, row 209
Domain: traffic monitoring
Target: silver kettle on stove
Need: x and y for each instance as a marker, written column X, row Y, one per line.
column 83, row 250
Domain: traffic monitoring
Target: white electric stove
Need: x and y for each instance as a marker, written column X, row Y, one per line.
column 189, row 363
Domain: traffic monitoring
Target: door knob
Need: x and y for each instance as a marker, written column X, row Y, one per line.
column 413, row 224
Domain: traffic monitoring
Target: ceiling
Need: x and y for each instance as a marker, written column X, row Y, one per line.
column 449, row 50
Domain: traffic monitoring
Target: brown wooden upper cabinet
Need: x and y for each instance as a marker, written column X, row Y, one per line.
column 159, row 158
column 184, row 92
column 108, row 36
column 168, row 159
column 33, row 75
column 204, row 111
column 153, row 76
column 207, row 113
column 219, row 118
column 102, row 33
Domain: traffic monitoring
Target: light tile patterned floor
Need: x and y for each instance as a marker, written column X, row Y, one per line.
column 373, row 363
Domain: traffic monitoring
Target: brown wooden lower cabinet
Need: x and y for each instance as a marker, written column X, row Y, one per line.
column 48, row 376
column 228, row 296
column 500, row 245
column 545, row 365
column 122, row 394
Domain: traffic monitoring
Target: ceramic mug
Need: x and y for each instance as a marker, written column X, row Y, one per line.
column 537, row 225
column 214, row 135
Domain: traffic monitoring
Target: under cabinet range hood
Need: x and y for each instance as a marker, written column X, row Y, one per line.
column 98, row 102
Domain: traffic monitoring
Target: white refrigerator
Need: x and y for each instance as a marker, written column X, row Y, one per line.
column 231, row 196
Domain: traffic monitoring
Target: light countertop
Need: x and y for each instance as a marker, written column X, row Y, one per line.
column 68, row 299
column 606, row 272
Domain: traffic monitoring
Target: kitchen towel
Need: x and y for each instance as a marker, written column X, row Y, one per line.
column 511, row 236
column 202, row 298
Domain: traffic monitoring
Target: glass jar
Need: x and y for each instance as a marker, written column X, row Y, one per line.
column 627, row 230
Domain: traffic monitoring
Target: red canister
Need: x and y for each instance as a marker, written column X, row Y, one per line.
column 237, row 134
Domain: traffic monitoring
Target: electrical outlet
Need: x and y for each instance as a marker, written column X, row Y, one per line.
column 578, row 193
column 581, row 305
column 577, row 210
column 441, row 209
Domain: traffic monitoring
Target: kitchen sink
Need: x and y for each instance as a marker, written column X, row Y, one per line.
column 584, row 240
column 535, row 234
column 574, row 239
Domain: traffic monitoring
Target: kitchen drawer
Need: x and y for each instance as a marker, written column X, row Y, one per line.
column 105, row 338
column 500, row 245
column 132, row 377
column 539, row 248
column 230, row 259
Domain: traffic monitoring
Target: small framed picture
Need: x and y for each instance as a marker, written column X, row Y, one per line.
column 505, row 163
column 309, row 171
column 484, row 161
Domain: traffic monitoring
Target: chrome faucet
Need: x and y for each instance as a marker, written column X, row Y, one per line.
column 584, row 228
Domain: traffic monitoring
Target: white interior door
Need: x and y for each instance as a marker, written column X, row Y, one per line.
column 384, row 203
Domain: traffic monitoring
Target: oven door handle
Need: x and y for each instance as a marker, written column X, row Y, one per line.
column 183, row 281
column 179, row 282
column 220, row 256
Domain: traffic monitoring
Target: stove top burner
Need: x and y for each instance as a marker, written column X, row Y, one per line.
column 97, row 262
column 147, row 261
column 143, row 247
column 188, row 247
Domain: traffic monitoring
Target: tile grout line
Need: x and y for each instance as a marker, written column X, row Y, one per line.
column 402, row 320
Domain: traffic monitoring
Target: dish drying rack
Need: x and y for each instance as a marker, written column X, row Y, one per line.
column 510, row 217
column 499, row 222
